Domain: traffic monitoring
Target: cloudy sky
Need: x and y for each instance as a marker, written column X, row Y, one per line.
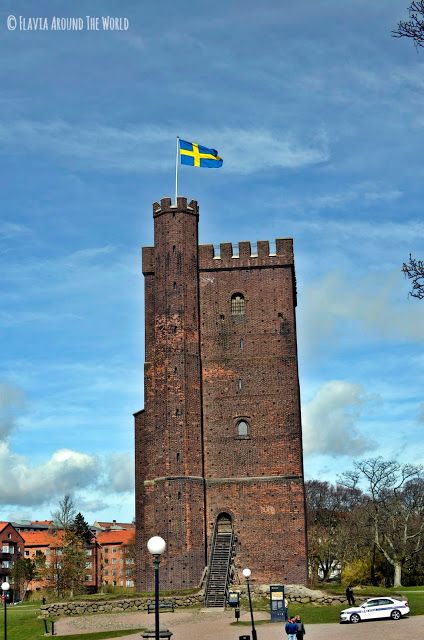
column 317, row 112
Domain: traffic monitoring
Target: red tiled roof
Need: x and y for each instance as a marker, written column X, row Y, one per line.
column 42, row 538
column 124, row 536
column 3, row 525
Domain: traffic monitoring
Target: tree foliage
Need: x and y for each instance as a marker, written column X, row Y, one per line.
column 63, row 569
column 23, row 571
column 414, row 270
column 414, row 27
column 81, row 528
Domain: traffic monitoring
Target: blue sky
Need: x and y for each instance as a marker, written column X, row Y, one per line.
column 317, row 112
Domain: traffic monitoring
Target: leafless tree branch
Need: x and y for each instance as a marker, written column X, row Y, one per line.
column 414, row 27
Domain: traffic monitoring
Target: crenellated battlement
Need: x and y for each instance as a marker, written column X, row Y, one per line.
column 166, row 206
column 244, row 254
column 225, row 255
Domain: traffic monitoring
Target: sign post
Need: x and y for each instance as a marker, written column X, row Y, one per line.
column 277, row 603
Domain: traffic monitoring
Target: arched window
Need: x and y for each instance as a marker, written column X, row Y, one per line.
column 237, row 304
column 242, row 429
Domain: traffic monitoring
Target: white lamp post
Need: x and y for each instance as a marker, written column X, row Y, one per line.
column 156, row 546
column 247, row 573
column 5, row 588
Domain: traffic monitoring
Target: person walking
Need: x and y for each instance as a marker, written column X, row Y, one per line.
column 300, row 628
column 349, row 595
column 291, row 629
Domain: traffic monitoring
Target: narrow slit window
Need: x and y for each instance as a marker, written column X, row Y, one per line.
column 237, row 304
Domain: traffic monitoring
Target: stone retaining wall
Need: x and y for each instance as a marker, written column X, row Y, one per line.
column 294, row 594
column 83, row 607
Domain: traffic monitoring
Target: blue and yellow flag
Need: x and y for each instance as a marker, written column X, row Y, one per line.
column 197, row 156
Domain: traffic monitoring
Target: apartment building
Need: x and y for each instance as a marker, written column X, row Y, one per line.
column 117, row 557
column 48, row 544
column 12, row 547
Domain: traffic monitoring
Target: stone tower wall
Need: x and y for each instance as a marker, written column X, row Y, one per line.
column 170, row 490
column 249, row 369
column 206, row 369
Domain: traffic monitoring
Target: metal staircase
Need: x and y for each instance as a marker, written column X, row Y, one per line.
column 219, row 565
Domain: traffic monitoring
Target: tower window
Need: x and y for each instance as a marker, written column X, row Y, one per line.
column 241, row 343
column 237, row 304
column 242, row 429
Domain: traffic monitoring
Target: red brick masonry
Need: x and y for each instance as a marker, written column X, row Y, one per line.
column 210, row 365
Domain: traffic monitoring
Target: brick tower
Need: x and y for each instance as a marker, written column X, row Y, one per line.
column 219, row 442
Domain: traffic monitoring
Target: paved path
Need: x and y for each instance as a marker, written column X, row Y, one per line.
column 216, row 625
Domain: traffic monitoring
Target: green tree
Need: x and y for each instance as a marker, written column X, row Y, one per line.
column 23, row 571
column 73, row 562
column 81, row 528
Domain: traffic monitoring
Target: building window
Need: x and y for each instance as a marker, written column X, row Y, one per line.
column 237, row 304
column 129, row 583
column 242, row 429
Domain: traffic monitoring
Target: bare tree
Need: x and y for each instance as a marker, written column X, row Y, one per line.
column 414, row 270
column 414, row 27
column 64, row 516
column 330, row 526
column 396, row 508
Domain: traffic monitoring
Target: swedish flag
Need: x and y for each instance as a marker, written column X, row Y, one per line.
column 197, row 156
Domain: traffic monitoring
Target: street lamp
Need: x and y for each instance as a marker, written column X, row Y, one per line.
column 156, row 547
column 247, row 573
column 5, row 588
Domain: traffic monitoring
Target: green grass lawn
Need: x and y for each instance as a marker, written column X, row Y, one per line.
column 23, row 624
column 315, row 613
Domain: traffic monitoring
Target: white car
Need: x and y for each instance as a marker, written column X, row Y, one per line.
column 375, row 608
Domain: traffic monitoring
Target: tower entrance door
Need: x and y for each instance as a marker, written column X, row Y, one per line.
column 219, row 562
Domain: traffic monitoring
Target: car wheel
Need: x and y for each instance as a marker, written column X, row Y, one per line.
column 395, row 615
column 355, row 618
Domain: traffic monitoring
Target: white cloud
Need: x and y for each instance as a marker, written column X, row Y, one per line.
column 137, row 149
column 64, row 471
column 376, row 303
column 329, row 420
column 120, row 472
column 11, row 401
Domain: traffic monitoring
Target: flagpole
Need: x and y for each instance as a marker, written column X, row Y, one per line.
column 176, row 169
